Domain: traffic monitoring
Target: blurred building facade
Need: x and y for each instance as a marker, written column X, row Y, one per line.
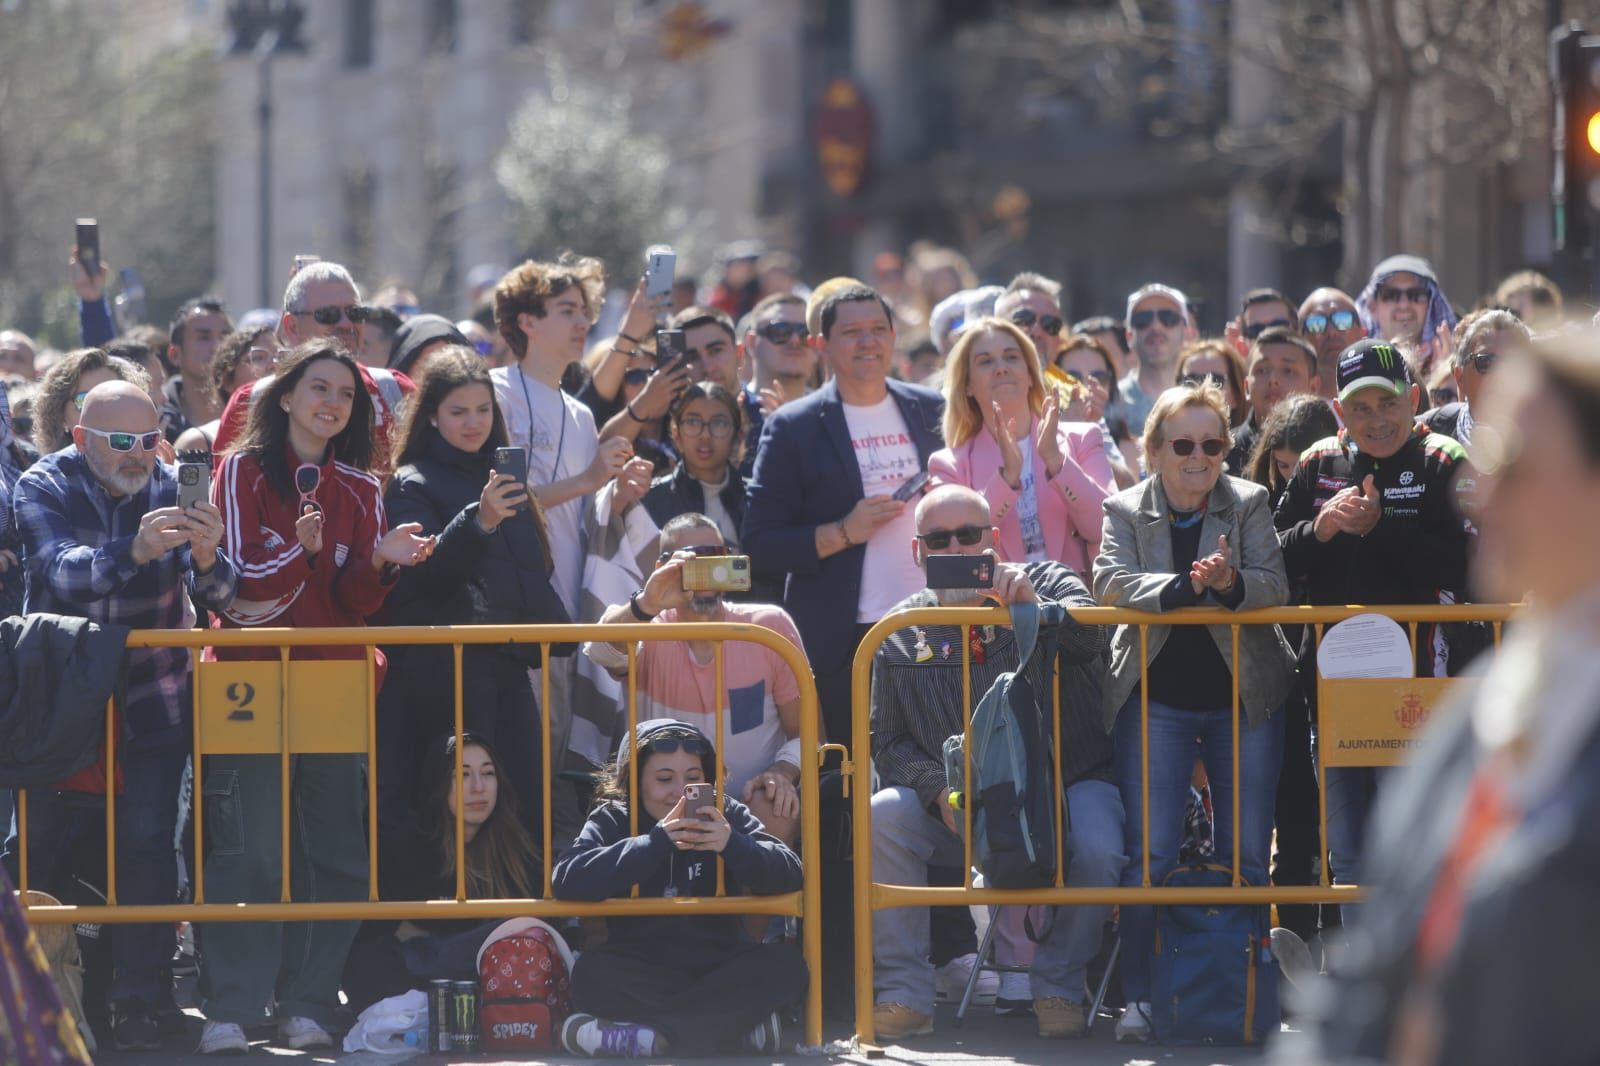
column 386, row 132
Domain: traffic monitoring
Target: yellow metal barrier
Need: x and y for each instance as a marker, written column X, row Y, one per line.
column 292, row 706
column 1410, row 699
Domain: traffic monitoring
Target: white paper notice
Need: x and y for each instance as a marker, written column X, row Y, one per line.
column 1368, row 645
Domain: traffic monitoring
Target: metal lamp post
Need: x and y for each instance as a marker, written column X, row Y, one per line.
column 265, row 29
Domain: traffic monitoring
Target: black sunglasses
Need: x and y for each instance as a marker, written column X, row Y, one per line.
column 635, row 376
column 1083, row 378
column 1482, row 362
column 1215, row 378
column 1391, row 295
column 1142, row 319
column 1256, row 329
column 782, row 332
column 1025, row 318
column 1440, row 397
column 697, row 550
column 939, row 539
column 1342, row 320
column 1212, row 446
column 329, row 316
column 668, row 744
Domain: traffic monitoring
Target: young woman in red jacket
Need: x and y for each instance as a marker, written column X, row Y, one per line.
column 305, row 521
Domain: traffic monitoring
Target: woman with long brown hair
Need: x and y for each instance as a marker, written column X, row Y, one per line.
column 491, row 567
column 419, row 862
column 307, row 532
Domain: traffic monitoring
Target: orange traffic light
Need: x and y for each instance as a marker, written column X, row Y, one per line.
column 1592, row 127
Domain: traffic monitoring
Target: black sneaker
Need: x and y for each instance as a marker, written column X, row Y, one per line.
column 134, row 1028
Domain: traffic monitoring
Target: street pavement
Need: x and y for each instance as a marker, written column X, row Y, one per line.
column 985, row 1039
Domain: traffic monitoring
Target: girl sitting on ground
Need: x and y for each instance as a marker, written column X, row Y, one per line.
column 685, row 984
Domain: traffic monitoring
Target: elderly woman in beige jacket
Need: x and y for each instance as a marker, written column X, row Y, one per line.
column 1190, row 536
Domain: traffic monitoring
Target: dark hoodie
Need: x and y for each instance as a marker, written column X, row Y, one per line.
column 606, row 861
column 416, row 334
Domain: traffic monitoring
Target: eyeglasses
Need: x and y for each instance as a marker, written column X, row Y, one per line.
column 1256, row 329
column 307, row 476
column 698, row 550
column 1142, row 319
column 669, row 744
column 1025, row 318
column 1212, row 446
column 261, row 357
column 1084, row 377
column 1390, row 295
column 719, row 426
column 939, row 539
column 329, row 316
column 1341, row 319
column 783, row 332
column 1482, row 362
column 637, row 375
column 1216, row 378
column 124, row 442
column 484, row 347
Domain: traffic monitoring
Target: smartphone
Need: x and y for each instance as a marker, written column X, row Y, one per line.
column 302, row 261
column 512, row 462
column 660, row 266
column 717, row 573
column 89, row 246
column 961, row 571
column 911, row 486
column 699, row 797
column 194, row 484
column 670, row 346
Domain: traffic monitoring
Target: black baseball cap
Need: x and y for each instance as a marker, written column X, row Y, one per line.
column 1372, row 362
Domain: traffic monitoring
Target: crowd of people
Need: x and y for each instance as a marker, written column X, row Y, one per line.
column 839, row 437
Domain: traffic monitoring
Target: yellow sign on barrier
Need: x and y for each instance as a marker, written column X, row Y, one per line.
column 1376, row 722
column 240, row 705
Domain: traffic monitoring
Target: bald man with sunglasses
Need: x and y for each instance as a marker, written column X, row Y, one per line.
column 105, row 539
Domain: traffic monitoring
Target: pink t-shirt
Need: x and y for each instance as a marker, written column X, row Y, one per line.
column 673, row 684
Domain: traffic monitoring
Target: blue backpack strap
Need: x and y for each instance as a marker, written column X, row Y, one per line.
column 1025, row 624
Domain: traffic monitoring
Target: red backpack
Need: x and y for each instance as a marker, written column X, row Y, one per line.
column 524, row 971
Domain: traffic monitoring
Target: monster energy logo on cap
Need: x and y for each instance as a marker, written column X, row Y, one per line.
column 1370, row 363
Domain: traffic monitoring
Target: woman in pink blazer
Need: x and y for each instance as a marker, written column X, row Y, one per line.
column 1044, row 479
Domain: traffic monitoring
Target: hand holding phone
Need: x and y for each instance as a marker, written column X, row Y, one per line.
column 512, row 462
column 88, row 240
column 661, row 264
column 194, row 484
column 699, row 799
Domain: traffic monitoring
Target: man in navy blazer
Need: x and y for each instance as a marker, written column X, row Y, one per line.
column 821, row 505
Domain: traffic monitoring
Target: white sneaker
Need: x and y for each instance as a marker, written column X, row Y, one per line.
column 299, row 1034
column 1134, row 1025
column 951, row 980
column 222, row 1038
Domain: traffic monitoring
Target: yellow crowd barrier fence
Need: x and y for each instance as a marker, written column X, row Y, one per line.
column 318, row 706
column 1361, row 723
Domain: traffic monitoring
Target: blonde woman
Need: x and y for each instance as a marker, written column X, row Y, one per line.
column 1045, row 479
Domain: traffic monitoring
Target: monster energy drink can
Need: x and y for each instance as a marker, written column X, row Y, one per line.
column 439, row 1011
column 464, row 1016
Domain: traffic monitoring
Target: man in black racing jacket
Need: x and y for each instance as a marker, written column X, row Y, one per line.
column 1370, row 517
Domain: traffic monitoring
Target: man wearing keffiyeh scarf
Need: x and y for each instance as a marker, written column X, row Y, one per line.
column 1403, row 302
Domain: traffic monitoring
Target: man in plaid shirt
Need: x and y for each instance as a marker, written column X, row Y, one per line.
column 105, row 540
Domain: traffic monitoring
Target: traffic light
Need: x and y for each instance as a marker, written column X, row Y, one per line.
column 1575, row 78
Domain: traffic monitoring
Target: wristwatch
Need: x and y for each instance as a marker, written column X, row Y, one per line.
column 639, row 612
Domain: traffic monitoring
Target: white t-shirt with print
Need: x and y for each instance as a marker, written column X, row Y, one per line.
column 887, row 458
column 559, row 434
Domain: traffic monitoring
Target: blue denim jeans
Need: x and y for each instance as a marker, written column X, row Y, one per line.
column 906, row 838
column 147, row 865
column 1177, row 738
